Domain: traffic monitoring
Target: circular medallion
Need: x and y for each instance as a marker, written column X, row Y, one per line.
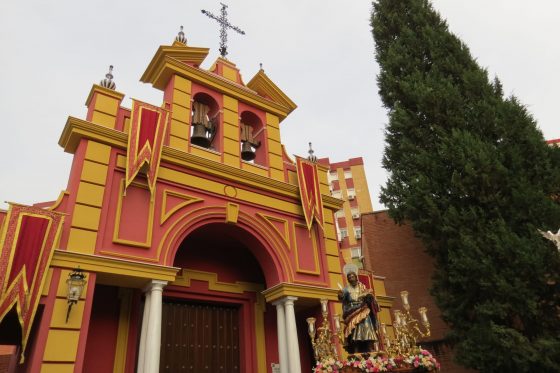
column 230, row 191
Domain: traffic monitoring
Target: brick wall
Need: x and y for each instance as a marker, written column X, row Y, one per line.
column 393, row 251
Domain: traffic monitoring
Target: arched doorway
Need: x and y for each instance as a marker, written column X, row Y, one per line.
column 212, row 315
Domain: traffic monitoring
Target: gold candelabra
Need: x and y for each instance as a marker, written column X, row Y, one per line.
column 323, row 338
column 407, row 329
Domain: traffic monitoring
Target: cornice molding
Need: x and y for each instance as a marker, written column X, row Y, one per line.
column 262, row 84
column 164, row 68
column 106, row 91
column 178, row 51
column 285, row 289
column 77, row 129
column 113, row 266
column 385, row 300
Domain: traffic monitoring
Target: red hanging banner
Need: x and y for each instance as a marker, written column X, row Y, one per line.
column 308, row 180
column 27, row 242
column 148, row 126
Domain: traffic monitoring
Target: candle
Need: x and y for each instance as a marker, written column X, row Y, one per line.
column 424, row 317
column 337, row 322
column 404, row 297
column 311, row 323
column 385, row 336
column 324, row 305
column 397, row 314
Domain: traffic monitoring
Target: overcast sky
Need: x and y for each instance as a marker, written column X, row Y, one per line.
column 320, row 53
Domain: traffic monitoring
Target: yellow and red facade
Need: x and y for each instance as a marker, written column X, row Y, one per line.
column 215, row 228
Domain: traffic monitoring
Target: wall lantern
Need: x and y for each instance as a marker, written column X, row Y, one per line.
column 76, row 282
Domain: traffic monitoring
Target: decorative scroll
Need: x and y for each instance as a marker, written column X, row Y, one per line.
column 29, row 235
column 309, row 191
column 148, row 125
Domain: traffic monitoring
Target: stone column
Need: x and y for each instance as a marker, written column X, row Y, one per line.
column 282, row 342
column 145, row 320
column 291, row 335
column 153, row 332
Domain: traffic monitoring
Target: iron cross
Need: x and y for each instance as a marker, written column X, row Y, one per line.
column 222, row 20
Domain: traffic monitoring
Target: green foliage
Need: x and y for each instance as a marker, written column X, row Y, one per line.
column 473, row 175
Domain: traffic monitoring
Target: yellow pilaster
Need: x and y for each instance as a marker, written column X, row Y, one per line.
column 63, row 337
column 125, row 296
column 231, row 131
column 179, row 132
column 103, row 105
column 260, row 306
column 89, row 199
column 276, row 165
column 323, row 180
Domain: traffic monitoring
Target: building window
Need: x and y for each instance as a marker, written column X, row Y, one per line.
column 351, row 193
column 347, row 174
column 339, row 214
column 358, row 232
column 342, row 234
column 333, row 175
column 356, row 252
column 355, row 213
column 337, row 194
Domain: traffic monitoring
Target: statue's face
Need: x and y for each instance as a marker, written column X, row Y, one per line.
column 352, row 278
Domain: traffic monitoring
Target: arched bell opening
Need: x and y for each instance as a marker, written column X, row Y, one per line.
column 252, row 138
column 205, row 121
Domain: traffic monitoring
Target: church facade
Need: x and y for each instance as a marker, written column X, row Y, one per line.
column 190, row 232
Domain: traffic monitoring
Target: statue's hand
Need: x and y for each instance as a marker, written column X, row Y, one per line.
column 368, row 297
column 340, row 295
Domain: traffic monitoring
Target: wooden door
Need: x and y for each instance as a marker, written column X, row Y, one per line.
column 199, row 337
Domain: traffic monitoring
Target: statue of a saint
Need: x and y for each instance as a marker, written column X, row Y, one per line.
column 360, row 310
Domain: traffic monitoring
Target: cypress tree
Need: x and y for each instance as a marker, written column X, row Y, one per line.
column 471, row 172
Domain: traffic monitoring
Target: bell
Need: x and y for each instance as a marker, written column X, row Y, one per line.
column 247, row 152
column 199, row 135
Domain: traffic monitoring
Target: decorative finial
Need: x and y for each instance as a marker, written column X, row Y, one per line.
column 224, row 25
column 260, row 64
column 311, row 156
column 181, row 37
column 108, row 81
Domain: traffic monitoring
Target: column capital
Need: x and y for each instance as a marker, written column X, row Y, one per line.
column 285, row 300
column 290, row 300
column 278, row 302
column 154, row 285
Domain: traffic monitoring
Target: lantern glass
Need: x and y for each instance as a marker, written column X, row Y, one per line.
column 76, row 282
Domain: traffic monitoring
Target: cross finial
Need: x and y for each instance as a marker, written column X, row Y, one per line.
column 224, row 25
